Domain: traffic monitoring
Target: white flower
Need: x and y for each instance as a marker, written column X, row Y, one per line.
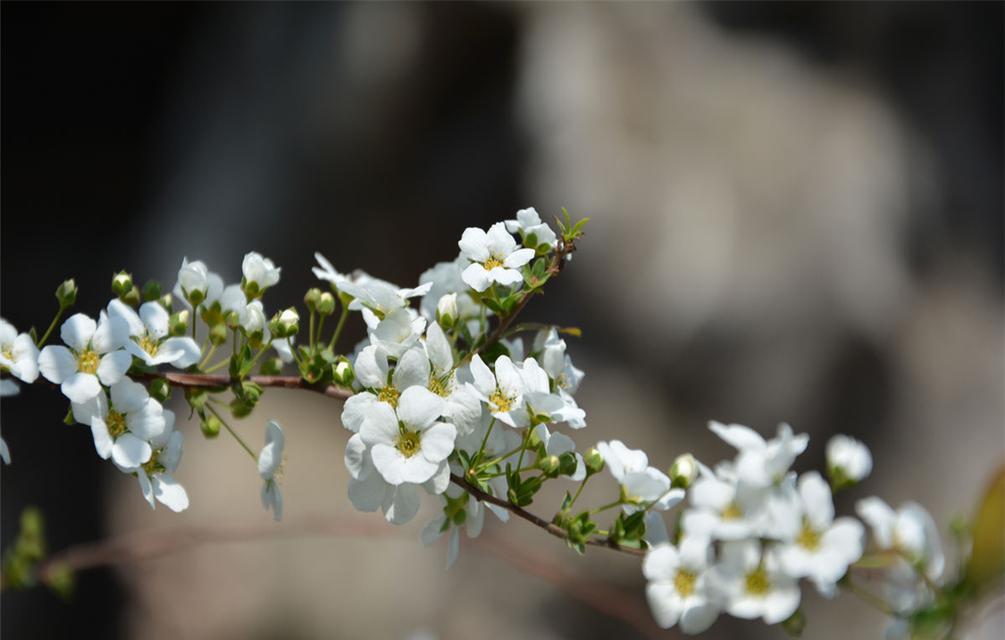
column 196, row 282
column 368, row 491
column 270, row 462
column 761, row 463
column 494, row 257
column 464, row 407
column 534, row 232
column 379, row 296
column 909, row 530
column 156, row 476
column 557, row 363
column 680, row 591
column 722, row 509
column 824, row 547
column 259, row 273
column 149, row 330
column 122, row 429
column 849, row 458
column 327, row 272
column 502, row 391
column 446, row 309
column 409, row 445
column 18, row 353
column 372, row 369
column 555, row 444
column 95, row 356
column 640, row 483
column 753, row 584
column 398, row 331
column 233, row 299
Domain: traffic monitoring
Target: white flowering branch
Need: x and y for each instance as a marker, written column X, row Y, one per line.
column 457, row 400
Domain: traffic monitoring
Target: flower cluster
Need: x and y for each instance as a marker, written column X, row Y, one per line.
column 448, row 396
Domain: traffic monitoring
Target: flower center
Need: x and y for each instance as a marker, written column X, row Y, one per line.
column 757, row 583
column 492, row 263
column 153, row 465
column 116, row 423
column 408, row 443
column 808, row 537
column 732, row 512
column 88, row 361
column 149, row 345
column 389, row 395
column 684, row 581
column 437, row 387
column 501, row 401
column 7, row 352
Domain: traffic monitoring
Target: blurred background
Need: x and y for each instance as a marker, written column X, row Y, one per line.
column 796, row 215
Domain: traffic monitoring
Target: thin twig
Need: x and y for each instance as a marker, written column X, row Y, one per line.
column 537, row 521
column 222, row 381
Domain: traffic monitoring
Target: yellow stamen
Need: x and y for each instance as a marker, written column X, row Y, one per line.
column 808, row 537
column 149, row 345
column 408, row 443
column 88, row 361
column 116, row 423
column 757, row 583
column 501, row 401
column 492, row 263
column 732, row 512
column 684, row 582
column 437, row 387
column 389, row 395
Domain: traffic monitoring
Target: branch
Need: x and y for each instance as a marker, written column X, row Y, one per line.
column 551, row 528
column 222, row 381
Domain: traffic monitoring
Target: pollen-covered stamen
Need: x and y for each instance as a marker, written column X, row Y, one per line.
column 7, row 353
column 500, row 401
column 732, row 512
column 684, row 582
column 756, row 582
column 149, row 345
column 389, row 395
column 492, row 263
column 808, row 538
column 154, row 465
column 116, row 423
column 408, row 442
column 88, row 361
column 436, row 386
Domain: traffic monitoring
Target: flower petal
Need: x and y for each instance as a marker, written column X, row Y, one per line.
column 170, row 493
column 419, row 407
column 77, row 331
column 81, row 387
column 129, row 452
column 113, row 366
column 438, row 442
column 56, row 363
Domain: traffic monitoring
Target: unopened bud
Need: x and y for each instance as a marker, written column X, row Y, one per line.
column 683, row 471
column 342, row 372
column 594, row 461
column 446, row 310
column 218, row 334
column 326, row 304
column 848, row 461
column 131, row 297
column 151, row 291
column 167, row 301
column 211, row 426
column 122, row 283
column 285, row 323
column 550, row 465
column 160, row 390
column 66, row 294
column 178, row 322
column 568, row 462
column 311, row 298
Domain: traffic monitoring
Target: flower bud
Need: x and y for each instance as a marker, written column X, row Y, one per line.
column 285, row 323
column 193, row 278
column 122, row 283
column 271, row 367
column 218, row 334
column 446, row 310
column 66, row 294
column 326, row 304
column 683, row 471
column 550, row 465
column 160, row 390
column 311, row 298
column 131, row 297
column 151, row 291
column 342, row 372
column 178, row 322
column 848, row 461
column 594, row 461
column 167, row 301
column 259, row 274
column 567, row 463
column 211, row 426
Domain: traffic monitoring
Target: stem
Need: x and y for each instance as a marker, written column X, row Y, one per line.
column 207, row 381
column 500, row 458
column 338, row 327
column 579, row 491
column 209, row 355
column 485, row 440
column 310, row 332
column 610, row 505
column 52, row 325
column 233, row 433
column 219, row 365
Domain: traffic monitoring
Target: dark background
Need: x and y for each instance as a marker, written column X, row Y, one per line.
column 133, row 134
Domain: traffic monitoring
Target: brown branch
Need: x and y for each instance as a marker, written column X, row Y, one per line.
column 537, row 521
column 222, row 381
